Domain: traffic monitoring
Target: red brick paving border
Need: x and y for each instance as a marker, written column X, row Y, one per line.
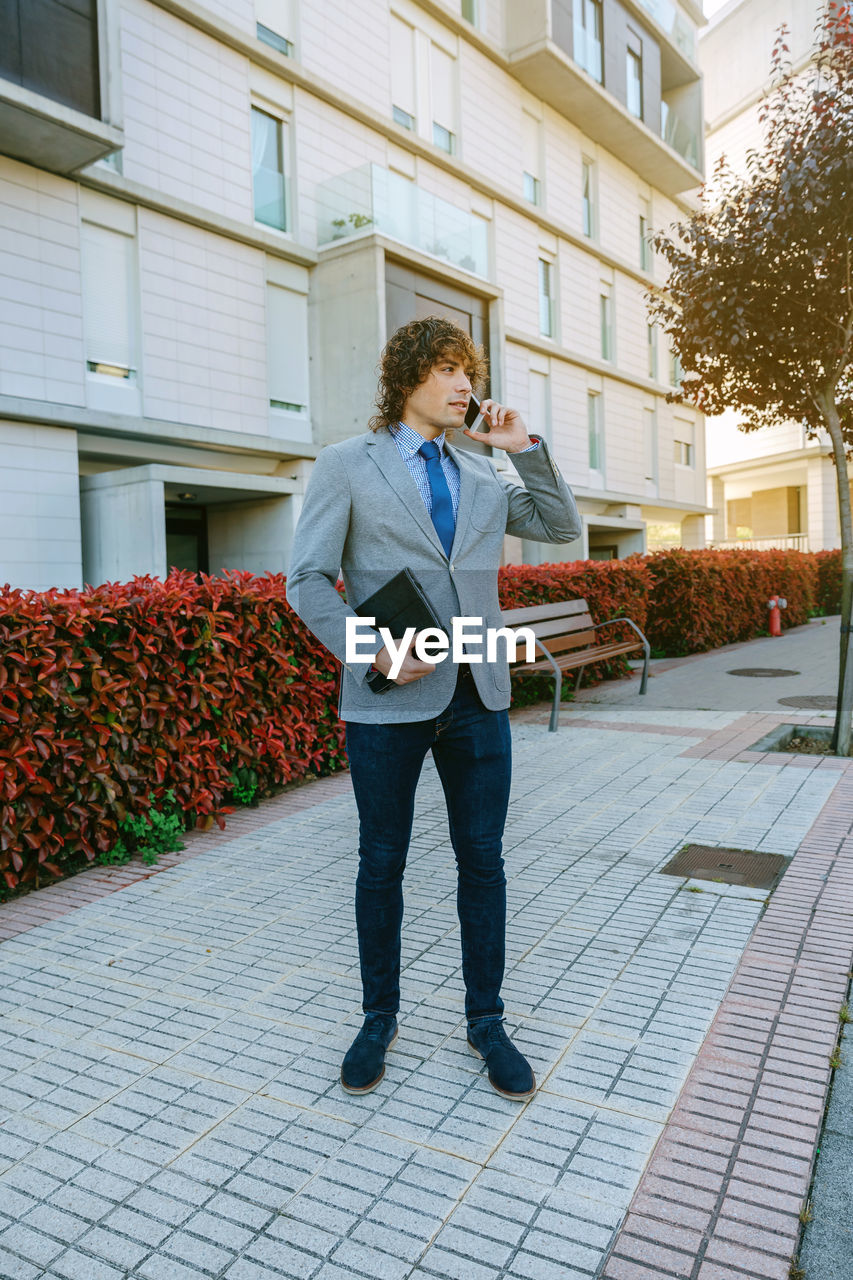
column 734, row 742
column 57, row 900
column 721, row 1196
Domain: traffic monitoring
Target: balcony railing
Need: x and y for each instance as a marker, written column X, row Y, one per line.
column 782, row 542
column 678, row 133
column 371, row 198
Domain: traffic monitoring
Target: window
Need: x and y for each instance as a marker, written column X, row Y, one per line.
column 546, row 300
column 595, row 424
column 652, row 343
column 531, row 187
column 531, row 129
column 684, row 452
column 683, row 442
column 650, row 450
column 276, row 24
column 268, row 170
column 634, row 70
column 676, row 373
column 109, row 302
column 539, row 420
column 403, row 74
column 423, row 86
column 605, row 303
column 471, row 12
column 287, row 349
column 442, row 97
column 587, row 37
column 588, row 204
column 645, row 246
column 274, row 40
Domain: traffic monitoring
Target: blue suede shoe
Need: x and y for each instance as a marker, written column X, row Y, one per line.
column 364, row 1064
column 510, row 1073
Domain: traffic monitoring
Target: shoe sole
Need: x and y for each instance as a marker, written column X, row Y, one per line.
column 504, row 1093
column 368, row 1088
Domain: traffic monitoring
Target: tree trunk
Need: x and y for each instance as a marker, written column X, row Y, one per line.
column 844, row 704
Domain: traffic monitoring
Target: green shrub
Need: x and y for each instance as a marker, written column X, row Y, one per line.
column 149, row 834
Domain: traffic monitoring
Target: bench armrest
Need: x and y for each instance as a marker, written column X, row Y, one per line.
column 632, row 625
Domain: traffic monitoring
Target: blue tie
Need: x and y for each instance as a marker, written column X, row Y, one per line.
column 442, row 503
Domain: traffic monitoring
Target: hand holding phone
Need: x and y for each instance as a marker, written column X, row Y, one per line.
column 473, row 412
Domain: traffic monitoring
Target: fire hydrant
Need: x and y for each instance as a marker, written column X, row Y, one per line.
column 775, row 604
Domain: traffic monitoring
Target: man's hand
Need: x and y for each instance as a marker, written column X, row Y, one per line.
column 507, row 432
column 412, row 668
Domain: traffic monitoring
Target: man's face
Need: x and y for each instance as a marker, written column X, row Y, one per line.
column 440, row 401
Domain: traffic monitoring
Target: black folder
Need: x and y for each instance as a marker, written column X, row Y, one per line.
column 401, row 603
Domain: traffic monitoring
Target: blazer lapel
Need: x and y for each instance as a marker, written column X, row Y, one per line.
column 386, row 455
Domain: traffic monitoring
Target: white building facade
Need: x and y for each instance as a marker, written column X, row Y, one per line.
column 213, row 214
column 773, row 487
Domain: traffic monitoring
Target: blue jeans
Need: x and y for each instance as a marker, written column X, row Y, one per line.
column 471, row 747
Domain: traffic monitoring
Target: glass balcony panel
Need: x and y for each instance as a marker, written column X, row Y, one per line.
column 373, row 198
column 678, row 133
column 674, row 23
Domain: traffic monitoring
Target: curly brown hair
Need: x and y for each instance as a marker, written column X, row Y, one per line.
column 410, row 354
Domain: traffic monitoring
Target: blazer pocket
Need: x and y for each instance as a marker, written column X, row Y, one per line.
column 489, row 510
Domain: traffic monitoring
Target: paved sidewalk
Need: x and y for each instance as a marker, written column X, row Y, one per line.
column 169, row 1053
column 702, row 680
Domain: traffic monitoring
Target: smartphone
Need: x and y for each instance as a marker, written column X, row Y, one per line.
column 473, row 413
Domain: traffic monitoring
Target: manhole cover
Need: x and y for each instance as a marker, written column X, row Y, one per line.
column 762, row 672
column 732, row 866
column 820, row 701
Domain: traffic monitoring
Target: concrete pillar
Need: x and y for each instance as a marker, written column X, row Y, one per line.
column 124, row 528
column 715, row 525
column 693, row 533
column 822, row 497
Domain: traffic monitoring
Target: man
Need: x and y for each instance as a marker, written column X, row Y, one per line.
column 401, row 496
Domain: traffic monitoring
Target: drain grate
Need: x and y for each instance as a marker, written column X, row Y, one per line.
column 731, row 866
column 761, row 672
column 820, row 701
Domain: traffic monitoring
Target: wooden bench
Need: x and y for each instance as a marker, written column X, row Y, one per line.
column 565, row 632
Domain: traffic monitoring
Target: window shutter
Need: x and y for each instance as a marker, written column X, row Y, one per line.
column 277, row 16
column 108, row 296
column 530, row 140
column 403, row 66
column 650, row 433
column 539, row 420
column 441, row 84
column 287, row 346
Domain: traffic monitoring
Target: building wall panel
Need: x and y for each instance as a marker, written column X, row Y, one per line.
column 203, row 327
column 39, row 507
column 186, row 112
column 41, row 318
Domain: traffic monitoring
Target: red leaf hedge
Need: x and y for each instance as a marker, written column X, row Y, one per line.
column 828, row 581
column 113, row 693
column 125, row 691
column 700, row 600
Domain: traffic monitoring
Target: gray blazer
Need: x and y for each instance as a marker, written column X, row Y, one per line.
column 363, row 514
